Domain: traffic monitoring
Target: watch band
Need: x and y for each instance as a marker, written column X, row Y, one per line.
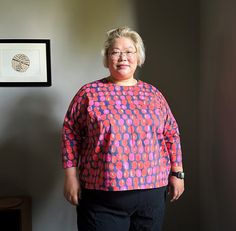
column 179, row 175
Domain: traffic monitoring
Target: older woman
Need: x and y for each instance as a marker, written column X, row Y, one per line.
column 121, row 145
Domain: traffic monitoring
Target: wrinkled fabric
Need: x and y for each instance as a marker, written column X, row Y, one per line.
column 120, row 137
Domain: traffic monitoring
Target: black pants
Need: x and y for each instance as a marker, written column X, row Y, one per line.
column 121, row 211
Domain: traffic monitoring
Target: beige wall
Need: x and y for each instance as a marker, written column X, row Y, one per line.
column 31, row 118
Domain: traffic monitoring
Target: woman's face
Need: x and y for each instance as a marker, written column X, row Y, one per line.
column 122, row 59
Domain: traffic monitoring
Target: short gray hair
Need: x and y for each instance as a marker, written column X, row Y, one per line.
column 127, row 33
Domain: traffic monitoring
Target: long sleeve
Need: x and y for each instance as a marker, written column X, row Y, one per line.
column 74, row 130
column 172, row 137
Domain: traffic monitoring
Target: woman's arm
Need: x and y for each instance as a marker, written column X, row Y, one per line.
column 72, row 136
column 172, row 140
column 176, row 185
column 71, row 186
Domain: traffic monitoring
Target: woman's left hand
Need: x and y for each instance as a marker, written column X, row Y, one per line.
column 176, row 188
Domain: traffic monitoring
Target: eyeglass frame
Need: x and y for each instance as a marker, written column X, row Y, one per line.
column 117, row 54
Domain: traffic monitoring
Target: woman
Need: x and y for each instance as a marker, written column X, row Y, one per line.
column 121, row 145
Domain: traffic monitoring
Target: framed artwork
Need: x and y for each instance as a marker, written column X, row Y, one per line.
column 25, row 62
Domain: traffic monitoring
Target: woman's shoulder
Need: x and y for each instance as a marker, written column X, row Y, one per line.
column 86, row 90
column 91, row 86
column 149, row 86
column 153, row 89
column 94, row 84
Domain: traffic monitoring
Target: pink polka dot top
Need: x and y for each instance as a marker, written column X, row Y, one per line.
column 120, row 137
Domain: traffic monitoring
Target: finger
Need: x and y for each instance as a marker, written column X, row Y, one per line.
column 175, row 196
column 174, row 199
column 70, row 198
column 74, row 200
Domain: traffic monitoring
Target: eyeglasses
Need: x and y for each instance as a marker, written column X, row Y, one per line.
column 117, row 54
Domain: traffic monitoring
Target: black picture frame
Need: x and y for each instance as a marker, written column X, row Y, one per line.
column 25, row 63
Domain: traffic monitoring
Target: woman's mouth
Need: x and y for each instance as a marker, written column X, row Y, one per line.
column 122, row 66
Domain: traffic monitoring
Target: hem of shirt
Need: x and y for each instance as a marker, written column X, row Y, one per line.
column 113, row 189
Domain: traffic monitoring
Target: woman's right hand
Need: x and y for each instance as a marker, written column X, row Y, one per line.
column 71, row 186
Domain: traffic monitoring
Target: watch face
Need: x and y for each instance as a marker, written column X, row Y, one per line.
column 181, row 175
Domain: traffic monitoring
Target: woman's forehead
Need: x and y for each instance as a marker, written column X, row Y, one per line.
column 122, row 42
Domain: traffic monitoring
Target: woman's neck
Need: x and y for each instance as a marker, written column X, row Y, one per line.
column 123, row 82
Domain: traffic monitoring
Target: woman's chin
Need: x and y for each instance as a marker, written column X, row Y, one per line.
column 124, row 72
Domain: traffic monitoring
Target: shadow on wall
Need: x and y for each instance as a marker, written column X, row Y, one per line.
column 89, row 18
column 29, row 148
column 172, row 64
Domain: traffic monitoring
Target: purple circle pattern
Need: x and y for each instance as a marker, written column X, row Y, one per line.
column 125, row 137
